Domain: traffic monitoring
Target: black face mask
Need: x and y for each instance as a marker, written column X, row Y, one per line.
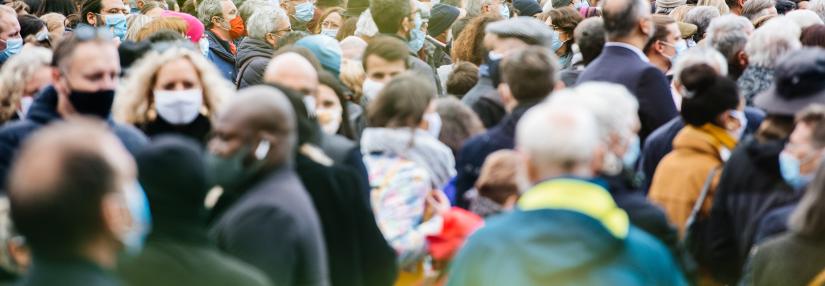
column 97, row 103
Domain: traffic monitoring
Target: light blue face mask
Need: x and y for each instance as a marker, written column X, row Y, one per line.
column 305, row 11
column 557, row 43
column 329, row 32
column 138, row 206
column 13, row 47
column 505, row 11
column 632, row 154
column 117, row 22
column 417, row 36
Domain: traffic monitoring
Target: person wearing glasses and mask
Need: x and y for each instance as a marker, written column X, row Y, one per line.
column 221, row 20
column 303, row 15
column 266, row 26
column 109, row 14
column 85, row 72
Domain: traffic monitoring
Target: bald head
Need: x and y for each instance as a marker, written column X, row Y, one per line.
column 293, row 71
column 266, row 108
column 625, row 18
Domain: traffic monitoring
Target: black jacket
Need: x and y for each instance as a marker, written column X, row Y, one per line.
column 67, row 272
column 357, row 251
column 221, row 55
column 42, row 112
column 274, row 227
column 347, row 154
column 198, row 130
column 788, row 260
column 749, row 187
column 252, row 59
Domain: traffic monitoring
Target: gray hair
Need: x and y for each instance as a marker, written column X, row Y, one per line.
column 559, row 137
column 366, row 27
column 772, row 41
column 729, row 34
column 756, row 8
column 804, row 18
column 818, row 7
column 474, row 7
column 701, row 16
column 613, row 106
column 248, row 7
column 700, row 55
column 208, row 9
column 265, row 20
column 621, row 20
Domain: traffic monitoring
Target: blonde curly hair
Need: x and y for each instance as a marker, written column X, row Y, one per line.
column 134, row 103
column 16, row 73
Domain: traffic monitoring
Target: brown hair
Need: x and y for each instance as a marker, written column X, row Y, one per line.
column 775, row 127
column 459, row 122
column 814, row 36
column 174, row 24
column 469, row 46
column 402, row 102
column 463, row 77
column 660, row 23
column 530, row 73
column 338, row 10
column 565, row 19
column 499, row 178
column 388, row 48
column 347, row 28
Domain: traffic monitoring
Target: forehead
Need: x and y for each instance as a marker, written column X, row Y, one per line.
column 181, row 67
column 376, row 62
column 109, row 4
column 93, row 56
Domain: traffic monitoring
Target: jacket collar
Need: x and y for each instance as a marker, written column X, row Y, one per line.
column 705, row 139
column 580, row 196
column 219, row 47
column 44, row 108
column 508, row 124
column 625, row 46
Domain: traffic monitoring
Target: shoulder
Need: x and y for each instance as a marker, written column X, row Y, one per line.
column 130, row 135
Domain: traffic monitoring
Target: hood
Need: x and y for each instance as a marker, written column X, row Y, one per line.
column 765, row 155
column 415, row 145
column 44, row 107
column 250, row 48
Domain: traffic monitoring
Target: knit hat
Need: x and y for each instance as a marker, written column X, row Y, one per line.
column 356, row 7
column 527, row 7
column 172, row 173
column 194, row 27
column 524, row 28
column 441, row 18
column 669, row 4
column 326, row 49
column 797, row 83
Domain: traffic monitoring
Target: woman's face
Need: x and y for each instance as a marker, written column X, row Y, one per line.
column 40, row 78
column 179, row 74
column 333, row 21
column 328, row 109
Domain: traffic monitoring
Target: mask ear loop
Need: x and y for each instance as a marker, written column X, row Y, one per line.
column 262, row 150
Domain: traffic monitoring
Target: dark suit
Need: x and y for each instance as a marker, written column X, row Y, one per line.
column 622, row 66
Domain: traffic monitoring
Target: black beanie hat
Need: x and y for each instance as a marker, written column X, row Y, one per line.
column 442, row 16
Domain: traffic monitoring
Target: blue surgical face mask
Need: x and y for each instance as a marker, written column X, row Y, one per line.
column 505, row 11
column 305, row 11
column 634, row 148
column 329, row 32
column 138, row 206
column 417, row 36
column 13, row 47
column 117, row 22
column 557, row 43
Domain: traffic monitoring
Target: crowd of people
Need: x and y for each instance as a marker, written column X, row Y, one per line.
column 412, row 142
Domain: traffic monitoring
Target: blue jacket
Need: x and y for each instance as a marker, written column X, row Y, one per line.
column 42, row 112
column 564, row 232
column 650, row 86
column 220, row 55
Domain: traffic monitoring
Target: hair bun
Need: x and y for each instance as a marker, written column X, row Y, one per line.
column 698, row 77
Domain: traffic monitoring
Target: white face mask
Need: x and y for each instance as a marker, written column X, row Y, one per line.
column 433, row 123
column 371, row 89
column 178, row 107
column 330, row 119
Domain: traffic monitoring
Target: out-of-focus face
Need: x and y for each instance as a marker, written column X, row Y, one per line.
column 229, row 134
column 229, row 10
column 333, row 21
column 800, row 147
column 9, row 27
column 40, row 78
column 176, row 75
column 383, row 71
column 108, row 7
column 93, row 67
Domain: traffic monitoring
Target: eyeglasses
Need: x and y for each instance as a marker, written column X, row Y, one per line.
column 280, row 33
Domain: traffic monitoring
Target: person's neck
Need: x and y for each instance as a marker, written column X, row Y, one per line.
column 736, row 11
column 659, row 61
column 632, row 40
column 64, row 108
column 102, row 252
column 402, row 35
column 553, row 172
column 222, row 34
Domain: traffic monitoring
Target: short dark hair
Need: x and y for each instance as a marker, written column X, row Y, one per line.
column 83, row 34
column 70, row 198
column 388, row 14
column 660, row 31
column 707, row 95
column 530, row 73
column 90, row 6
column 463, row 77
column 388, row 48
column 30, row 25
column 621, row 22
column 590, row 36
column 62, row 7
column 402, row 102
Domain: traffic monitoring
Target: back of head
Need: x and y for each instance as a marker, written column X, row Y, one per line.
column 773, row 40
column 266, row 109
column 463, row 78
column 171, row 171
column 388, row 14
column 264, row 20
column 326, row 50
column 174, row 24
column 621, row 17
column 706, row 95
column 459, row 122
column 502, row 176
column 531, row 73
column 287, row 67
column 814, row 36
column 818, row 7
column 30, row 25
column 701, row 17
column 728, row 34
column 402, row 102
column 804, row 18
column 61, row 176
column 249, row 7
column 613, row 106
column 700, row 55
column 590, row 37
column 756, row 8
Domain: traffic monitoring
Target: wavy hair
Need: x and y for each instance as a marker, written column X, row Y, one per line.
column 134, row 103
column 16, row 73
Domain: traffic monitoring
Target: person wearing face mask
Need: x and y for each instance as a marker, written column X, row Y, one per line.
column 331, row 108
column 108, row 14
column 302, row 14
column 563, row 21
column 666, row 43
column 402, row 19
column 383, row 59
column 85, row 73
column 219, row 16
column 21, row 79
column 758, row 178
column 712, row 110
column 266, row 26
column 108, row 214
column 331, row 22
column 10, row 38
column 175, row 91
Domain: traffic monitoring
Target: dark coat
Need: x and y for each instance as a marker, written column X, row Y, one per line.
column 184, row 256
column 622, row 66
column 472, row 155
column 750, row 186
column 484, row 100
column 347, row 154
column 255, row 54
column 273, row 226
column 774, row 223
column 357, row 251
column 43, row 112
column 788, row 260
column 660, row 142
column 198, row 130
column 221, row 56
column 67, row 272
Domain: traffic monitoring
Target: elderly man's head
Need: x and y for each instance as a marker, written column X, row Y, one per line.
column 728, row 35
column 772, row 41
column 627, row 21
column 757, row 8
column 293, row 71
column 10, row 40
column 701, row 17
column 268, row 23
column 557, row 140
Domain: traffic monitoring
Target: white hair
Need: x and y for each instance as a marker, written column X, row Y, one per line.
column 265, row 20
column 366, row 27
column 773, row 40
column 818, row 7
column 729, row 34
column 208, row 9
column 804, row 18
column 558, row 137
column 613, row 106
column 700, row 55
